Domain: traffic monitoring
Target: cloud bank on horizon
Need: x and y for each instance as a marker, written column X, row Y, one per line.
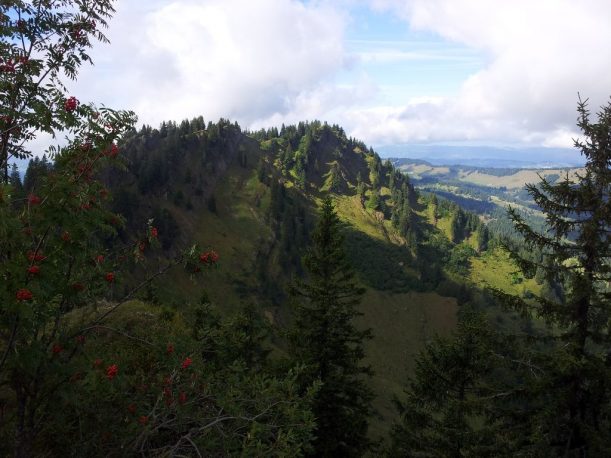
column 263, row 63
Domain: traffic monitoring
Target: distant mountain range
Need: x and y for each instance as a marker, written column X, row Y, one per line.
column 487, row 156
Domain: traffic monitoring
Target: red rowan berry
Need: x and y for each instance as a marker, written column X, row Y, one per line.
column 24, row 295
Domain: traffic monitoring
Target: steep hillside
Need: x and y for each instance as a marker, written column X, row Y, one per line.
column 252, row 196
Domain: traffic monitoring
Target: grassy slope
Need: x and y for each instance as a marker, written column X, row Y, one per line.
column 495, row 269
column 235, row 231
column 401, row 323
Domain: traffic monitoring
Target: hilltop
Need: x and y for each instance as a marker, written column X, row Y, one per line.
column 253, row 196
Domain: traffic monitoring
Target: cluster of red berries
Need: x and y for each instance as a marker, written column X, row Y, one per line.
column 36, row 256
column 182, row 397
column 78, row 287
column 77, row 34
column 71, row 104
column 154, row 233
column 8, row 67
column 209, row 257
column 24, row 294
column 34, row 270
column 86, row 147
column 186, row 363
column 33, row 199
column 10, row 64
column 112, row 152
column 112, row 371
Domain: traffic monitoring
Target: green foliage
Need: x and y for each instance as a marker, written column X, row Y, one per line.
column 14, row 181
column 460, row 259
column 335, row 178
column 444, row 409
column 50, row 243
column 41, row 44
column 238, row 338
column 64, row 272
column 170, row 396
column 325, row 342
column 379, row 265
column 360, row 188
column 483, row 237
column 569, row 398
column 374, row 202
column 432, row 256
column 38, row 168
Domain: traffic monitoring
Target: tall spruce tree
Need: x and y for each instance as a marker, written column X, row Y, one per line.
column 446, row 399
column 568, row 411
column 327, row 344
column 360, row 189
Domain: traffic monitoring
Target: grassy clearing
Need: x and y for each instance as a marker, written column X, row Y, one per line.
column 349, row 209
column 496, row 270
column 515, row 181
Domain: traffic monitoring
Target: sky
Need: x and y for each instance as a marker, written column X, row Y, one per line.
column 390, row 72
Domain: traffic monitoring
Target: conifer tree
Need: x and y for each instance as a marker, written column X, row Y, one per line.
column 435, row 209
column 335, row 180
column 405, row 218
column 15, row 182
column 327, row 344
column 446, row 399
column 374, row 201
column 360, row 189
column 569, row 409
column 483, row 237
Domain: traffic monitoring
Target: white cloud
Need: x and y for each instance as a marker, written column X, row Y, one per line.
column 266, row 62
column 234, row 58
column 541, row 54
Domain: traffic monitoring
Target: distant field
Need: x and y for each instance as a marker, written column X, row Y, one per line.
column 508, row 178
column 419, row 170
column 513, row 181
